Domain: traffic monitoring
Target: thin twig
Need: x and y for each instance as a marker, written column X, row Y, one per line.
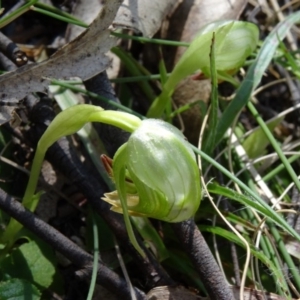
column 196, row 247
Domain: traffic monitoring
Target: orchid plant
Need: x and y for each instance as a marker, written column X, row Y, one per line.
column 158, row 160
column 155, row 172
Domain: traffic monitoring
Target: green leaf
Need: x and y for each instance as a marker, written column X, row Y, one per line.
column 30, row 262
column 18, row 289
column 256, row 143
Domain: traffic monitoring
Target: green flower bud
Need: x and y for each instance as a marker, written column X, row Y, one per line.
column 160, row 163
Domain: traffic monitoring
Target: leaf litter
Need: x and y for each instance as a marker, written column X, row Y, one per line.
column 84, row 57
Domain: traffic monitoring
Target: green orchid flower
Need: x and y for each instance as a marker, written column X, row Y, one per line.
column 161, row 165
column 156, row 176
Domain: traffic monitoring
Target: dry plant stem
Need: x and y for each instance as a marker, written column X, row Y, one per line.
column 203, row 260
column 60, row 243
column 62, row 156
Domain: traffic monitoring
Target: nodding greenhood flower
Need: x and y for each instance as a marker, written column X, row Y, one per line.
column 156, row 174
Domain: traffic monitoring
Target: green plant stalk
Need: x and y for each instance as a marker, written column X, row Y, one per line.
column 58, row 17
column 60, row 12
column 65, row 98
column 14, row 226
column 63, row 125
column 137, row 78
column 163, row 80
column 263, row 241
column 96, row 96
column 135, row 70
column 216, row 189
column 149, row 40
column 250, row 216
column 187, row 106
column 18, row 12
column 275, row 145
column 151, row 237
column 276, row 170
column 279, row 168
column 213, row 118
column 95, row 257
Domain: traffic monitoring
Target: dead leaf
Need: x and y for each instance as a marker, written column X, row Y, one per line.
column 83, row 57
column 134, row 15
column 144, row 16
column 85, row 11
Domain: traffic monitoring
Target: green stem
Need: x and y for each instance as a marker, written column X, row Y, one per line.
column 119, row 119
column 96, row 257
column 56, row 11
column 279, row 168
column 18, row 12
column 275, row 145
column 59, row 17
column 149, row 40
column 137, row 78
column 14, row 226
column 135, row 69
column 74, row 88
